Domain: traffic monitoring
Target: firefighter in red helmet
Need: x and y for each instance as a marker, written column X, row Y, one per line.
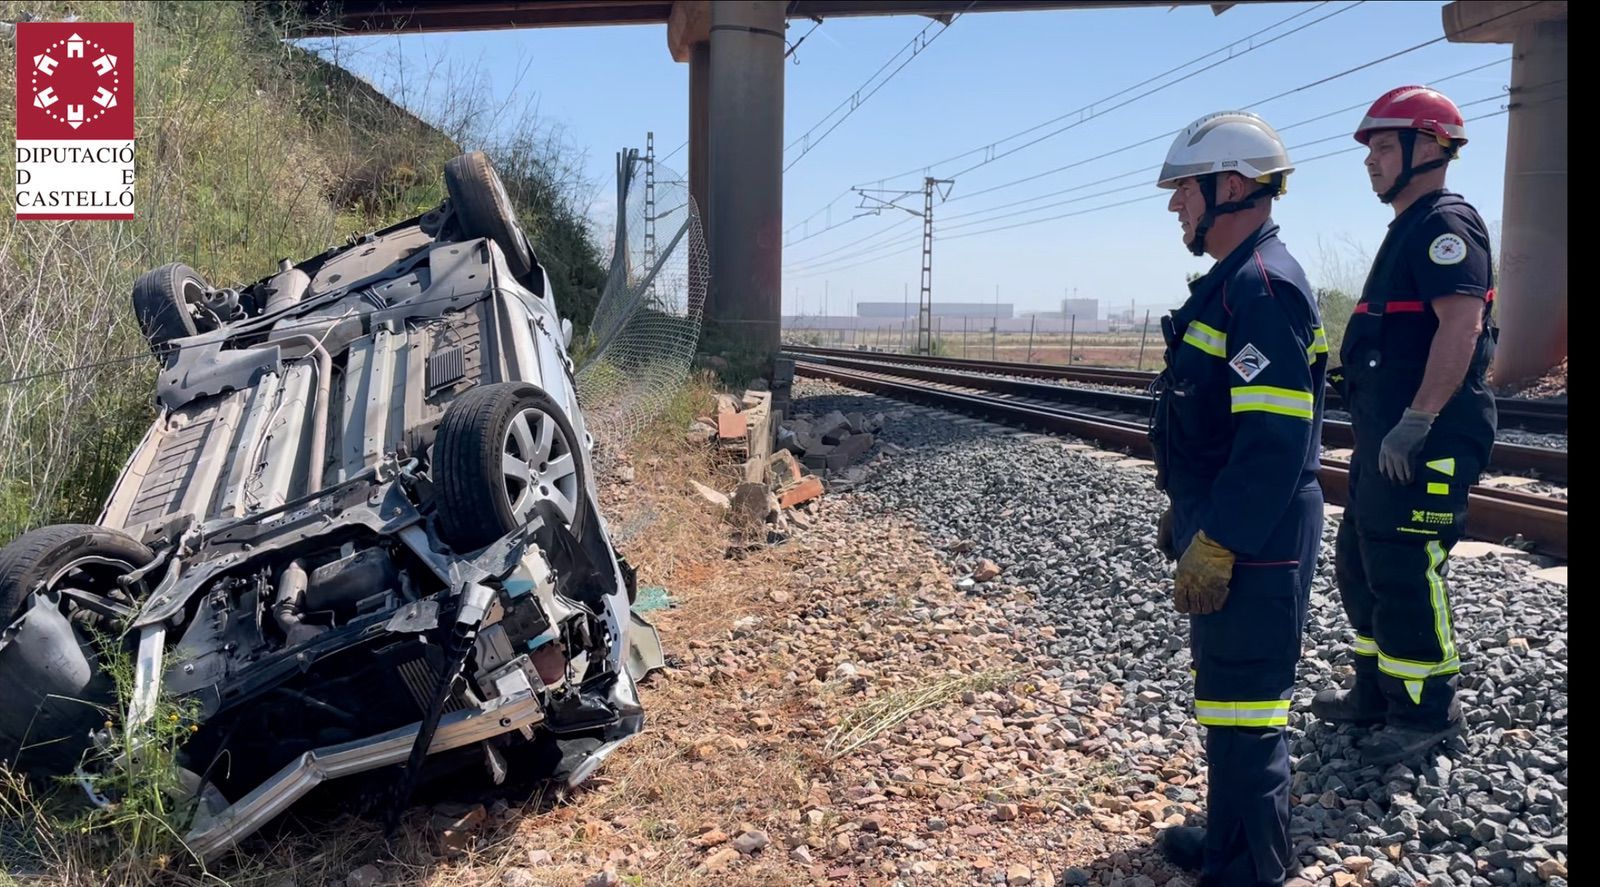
column 1413, row 368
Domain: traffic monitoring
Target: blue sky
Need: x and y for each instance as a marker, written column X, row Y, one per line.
column 990, row 76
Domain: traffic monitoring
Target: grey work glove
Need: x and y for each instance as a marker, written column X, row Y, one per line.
column 1402, row 444
column 1164, row 535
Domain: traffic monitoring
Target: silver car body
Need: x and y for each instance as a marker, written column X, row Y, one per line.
column 312, row 417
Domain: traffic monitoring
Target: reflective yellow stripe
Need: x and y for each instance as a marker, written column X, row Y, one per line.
column 1418, row 532
column 1207, row 338
column 1267, row 399
column 1446, row 467
column 1365, row 646
column 1269, row 713
column 1438, row 489
column 1442, row 624
column 1319, row 345
column 1408, row 670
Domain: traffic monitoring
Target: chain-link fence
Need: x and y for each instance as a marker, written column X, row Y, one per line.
column 647, row 324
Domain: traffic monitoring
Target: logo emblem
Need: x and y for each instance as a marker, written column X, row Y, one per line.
column 1447, row 249
column 1249, row 362
column 75, row 120
column 74, row 81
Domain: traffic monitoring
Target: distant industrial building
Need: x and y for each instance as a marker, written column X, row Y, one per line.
column 1051, row 323
column 899, row 310
column 1083, row 309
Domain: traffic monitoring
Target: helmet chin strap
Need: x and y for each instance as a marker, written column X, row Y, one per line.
column 1408, row 141
column 1208, row 190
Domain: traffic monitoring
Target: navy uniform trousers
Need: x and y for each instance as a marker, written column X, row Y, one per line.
column 1244, row 658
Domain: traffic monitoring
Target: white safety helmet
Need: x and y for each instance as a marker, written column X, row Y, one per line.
column 1227, row 141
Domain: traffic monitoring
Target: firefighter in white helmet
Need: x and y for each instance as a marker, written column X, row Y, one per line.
column 1237, row 430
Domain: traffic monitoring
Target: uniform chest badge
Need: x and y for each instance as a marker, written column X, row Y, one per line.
column 1447, row 249
column 1249, row 362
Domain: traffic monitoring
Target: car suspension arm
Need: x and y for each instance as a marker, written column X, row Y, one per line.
column 475, row 600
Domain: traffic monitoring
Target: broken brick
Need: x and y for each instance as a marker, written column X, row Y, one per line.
column 732, row 426
column 785, row 466
column 809, row 487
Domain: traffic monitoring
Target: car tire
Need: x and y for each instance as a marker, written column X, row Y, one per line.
column 56, row 691
column 483, row 436
column 49, row 553
column 484, row 208
column 161, row 302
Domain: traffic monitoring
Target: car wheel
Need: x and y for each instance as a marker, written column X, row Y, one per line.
column 78, row 556
column 485, row 209
column 500, row 450
column 55, row 688
column 164, row 301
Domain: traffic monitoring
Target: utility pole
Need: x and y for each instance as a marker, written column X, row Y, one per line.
column 925, row 306
column 1144, row 333
column 650, row 205
column 905, row 302
column 994, row 324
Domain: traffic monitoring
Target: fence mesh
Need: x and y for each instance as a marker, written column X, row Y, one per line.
column 647, row 324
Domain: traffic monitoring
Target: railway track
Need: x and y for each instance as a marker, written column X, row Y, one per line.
column 1548, row 464
column 1549, row 417
column 1493, row 515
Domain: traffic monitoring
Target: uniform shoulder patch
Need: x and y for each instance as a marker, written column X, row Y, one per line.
column 1447, row 249
column 1249, row 362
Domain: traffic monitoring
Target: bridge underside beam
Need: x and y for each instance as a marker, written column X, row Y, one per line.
column 330, row 18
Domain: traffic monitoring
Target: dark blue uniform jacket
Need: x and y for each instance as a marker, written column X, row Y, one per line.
column 1238, row 419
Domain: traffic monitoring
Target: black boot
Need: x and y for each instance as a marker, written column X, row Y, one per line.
column 1362, row 705
column 1346, row 707
column 1184, row 846
column 1398, row 742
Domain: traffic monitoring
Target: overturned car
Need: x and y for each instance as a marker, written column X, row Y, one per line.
column 362, row 536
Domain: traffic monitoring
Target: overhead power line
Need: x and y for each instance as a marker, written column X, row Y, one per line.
column 856, row 99
column 1300, row 88
column 909, row 244
column 1170, row 133
column 990, row 147
column 1094, row 113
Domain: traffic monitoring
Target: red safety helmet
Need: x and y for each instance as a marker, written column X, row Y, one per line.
column 1410, row 110
column 1416, row 108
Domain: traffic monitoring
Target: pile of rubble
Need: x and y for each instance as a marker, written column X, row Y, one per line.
column 787, row 463
column 832, row 444
column 1552, row 385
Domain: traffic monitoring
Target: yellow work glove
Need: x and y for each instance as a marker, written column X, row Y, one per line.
column 1201, row 586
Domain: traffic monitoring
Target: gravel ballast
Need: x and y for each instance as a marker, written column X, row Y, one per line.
column 1074, row 528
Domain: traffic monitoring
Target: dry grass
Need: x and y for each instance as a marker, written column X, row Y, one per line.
column 693, row 766
column 870, row 719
